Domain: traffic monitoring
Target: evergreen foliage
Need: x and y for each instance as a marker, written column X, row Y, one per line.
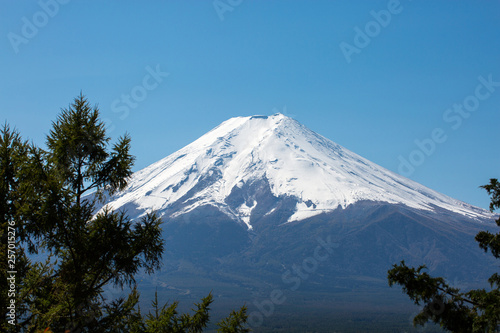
column 13, row 155
column 47, row 196
column 235, row 322
column 455, row 310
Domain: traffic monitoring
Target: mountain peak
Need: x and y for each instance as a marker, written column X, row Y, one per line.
column 293, row 161
column 260, row 121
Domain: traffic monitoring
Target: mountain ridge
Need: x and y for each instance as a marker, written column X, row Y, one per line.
column 296, row 162
column 245, row 205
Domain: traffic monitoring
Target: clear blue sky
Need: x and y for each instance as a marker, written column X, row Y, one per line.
column 373, row 76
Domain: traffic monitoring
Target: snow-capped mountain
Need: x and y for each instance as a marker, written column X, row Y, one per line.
column 263, row 204
column 294, row 161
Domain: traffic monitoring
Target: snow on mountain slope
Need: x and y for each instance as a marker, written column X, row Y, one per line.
column 296, row 161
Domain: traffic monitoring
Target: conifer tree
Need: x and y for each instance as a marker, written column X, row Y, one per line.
column 51, row 197
column 455, row 310
column 13, row 155
column 86, row 252
column 167, row 319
